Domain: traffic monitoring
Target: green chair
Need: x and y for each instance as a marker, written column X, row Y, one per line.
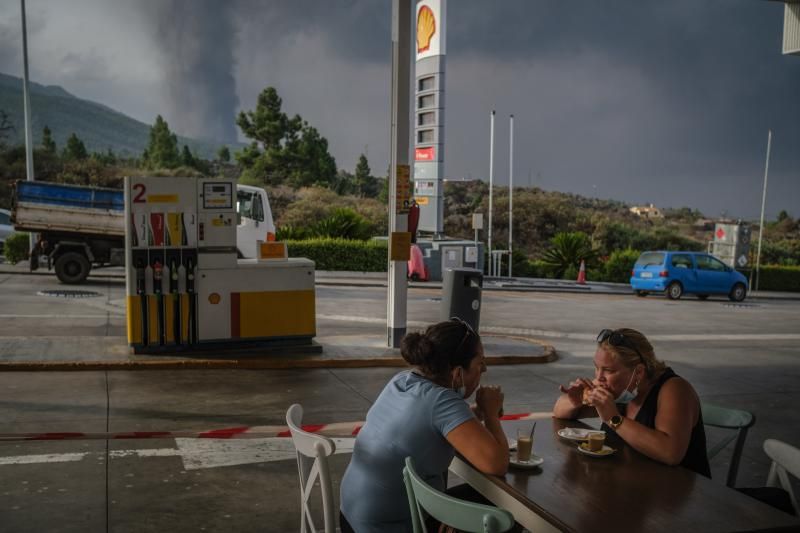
column 722, row 417
column 462, row 515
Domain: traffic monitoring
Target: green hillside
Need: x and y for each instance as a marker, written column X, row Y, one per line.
column 98, row 126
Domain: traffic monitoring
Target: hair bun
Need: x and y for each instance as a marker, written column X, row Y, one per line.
column 417, row 349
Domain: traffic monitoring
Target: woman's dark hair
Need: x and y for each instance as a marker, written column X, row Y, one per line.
column 441, row 347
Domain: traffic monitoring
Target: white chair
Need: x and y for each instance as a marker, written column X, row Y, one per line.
column 312, row 462
column 785, row 460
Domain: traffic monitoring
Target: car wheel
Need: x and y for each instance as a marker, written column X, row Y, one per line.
column 738, row 293
column 702, row 296
column 674, row 291
column 641, row 294
column 72, row 268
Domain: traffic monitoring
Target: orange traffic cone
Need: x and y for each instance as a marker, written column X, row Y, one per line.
column 582, row 274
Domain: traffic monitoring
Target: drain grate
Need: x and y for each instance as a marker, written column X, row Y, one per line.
column 69, row 293
column 741, row 306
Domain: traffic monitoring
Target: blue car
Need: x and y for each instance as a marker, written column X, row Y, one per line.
column 677, row 273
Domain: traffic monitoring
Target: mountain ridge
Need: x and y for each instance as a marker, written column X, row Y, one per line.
column 99, row 126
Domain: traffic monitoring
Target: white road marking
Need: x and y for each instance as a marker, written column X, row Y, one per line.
column 194, row 453
column 42, row 458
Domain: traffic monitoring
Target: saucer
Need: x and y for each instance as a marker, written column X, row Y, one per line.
column 605, row 450
column 534, row 461
column 577, row 434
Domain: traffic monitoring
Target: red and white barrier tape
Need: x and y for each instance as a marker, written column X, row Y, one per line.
column 336, row 429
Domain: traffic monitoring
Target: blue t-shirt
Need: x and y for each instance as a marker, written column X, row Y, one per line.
column 411, row 417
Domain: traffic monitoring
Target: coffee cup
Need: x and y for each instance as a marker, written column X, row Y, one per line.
column 595, row 441
column 524, row 446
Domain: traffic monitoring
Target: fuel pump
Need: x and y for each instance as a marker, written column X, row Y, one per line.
column 187, row 290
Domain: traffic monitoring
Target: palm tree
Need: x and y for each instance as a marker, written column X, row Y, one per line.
column 567, row 250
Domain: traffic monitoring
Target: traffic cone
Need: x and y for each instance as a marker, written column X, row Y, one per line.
column 582, row 274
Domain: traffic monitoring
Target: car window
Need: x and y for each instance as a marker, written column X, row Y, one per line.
column 682, row 261
column 650, row 258
column 4, row 218
column 705, row 262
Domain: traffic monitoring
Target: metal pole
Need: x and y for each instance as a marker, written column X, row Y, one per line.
column 491, row 184
column 763, row 204
column 397, row 297
column 26, row 99
column 510, row 192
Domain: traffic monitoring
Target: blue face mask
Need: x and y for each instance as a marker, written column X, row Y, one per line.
column 628, row 395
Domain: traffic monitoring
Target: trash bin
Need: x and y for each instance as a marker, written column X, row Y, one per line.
column 461, row 295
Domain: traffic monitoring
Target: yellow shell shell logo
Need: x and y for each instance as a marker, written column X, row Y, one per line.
column 426, row 28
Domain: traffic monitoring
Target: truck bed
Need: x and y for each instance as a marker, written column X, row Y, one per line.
column 41, row 206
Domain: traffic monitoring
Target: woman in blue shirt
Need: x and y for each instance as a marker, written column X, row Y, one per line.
column 423, row 413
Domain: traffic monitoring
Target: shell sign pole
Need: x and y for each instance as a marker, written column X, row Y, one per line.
column 429, row 114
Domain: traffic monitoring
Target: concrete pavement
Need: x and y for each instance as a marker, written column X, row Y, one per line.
column 740, row 356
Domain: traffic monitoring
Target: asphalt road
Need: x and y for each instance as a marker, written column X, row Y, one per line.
column 743, row 356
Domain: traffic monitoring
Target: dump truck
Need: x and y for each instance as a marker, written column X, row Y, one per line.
column 79, row 228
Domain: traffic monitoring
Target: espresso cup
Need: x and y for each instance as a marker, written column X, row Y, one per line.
column 595, row 441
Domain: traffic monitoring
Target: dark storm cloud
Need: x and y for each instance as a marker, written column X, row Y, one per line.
column 197, row 41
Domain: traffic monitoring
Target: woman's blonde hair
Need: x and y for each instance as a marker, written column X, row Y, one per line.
column 634, row 349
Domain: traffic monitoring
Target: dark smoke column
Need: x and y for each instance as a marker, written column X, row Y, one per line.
column 197, row 39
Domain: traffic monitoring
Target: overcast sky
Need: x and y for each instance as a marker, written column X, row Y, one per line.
column 643, row 101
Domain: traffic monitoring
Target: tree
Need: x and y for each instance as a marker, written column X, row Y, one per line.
column 48, row 144
column 366, row 184
column 187, row 159
column 162, row 148
column 283, row 149
column 224, row 154
column 75, row 149
column 783, row 215
column 5, row 127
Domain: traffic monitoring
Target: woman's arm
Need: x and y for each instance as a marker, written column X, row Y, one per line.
column 678, row 413
column 485, row 447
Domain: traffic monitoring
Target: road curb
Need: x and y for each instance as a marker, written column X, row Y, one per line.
column 251, row 364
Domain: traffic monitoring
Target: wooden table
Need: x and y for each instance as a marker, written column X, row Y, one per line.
column 624, row 492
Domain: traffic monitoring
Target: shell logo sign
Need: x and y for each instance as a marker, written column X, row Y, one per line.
column 430, row 28
column 426, row 28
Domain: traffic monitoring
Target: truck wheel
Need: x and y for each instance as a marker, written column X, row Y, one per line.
column 674, row 291
column 738, row 292
column 72, row 268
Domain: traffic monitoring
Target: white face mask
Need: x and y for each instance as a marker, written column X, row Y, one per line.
column 627, row 395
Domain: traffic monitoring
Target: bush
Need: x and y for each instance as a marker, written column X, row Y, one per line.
column 342, row 254
column 619, row 265
column 777, row 278
column 16, row 248
column 343, row 223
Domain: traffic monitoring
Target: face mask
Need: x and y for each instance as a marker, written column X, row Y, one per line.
column 461, row 390
column 628, row 395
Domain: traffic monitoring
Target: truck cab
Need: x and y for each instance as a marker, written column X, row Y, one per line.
column 253, row 220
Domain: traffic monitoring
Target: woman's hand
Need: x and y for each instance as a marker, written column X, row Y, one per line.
column 603, row 401
column 575, row 390
column 490, row 400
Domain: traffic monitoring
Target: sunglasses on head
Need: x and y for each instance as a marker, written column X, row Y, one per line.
column 617, row 338
column 467, row 330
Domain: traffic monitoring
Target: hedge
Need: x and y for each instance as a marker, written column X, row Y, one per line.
column 342, row 254
column 776, row 278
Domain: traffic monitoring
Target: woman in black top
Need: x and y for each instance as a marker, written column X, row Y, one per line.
column 641, row 399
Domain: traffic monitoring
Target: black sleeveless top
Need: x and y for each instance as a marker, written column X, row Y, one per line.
column 696, row 458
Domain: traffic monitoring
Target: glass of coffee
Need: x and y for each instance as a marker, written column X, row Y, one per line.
column 524, row 445
column 595, row 441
